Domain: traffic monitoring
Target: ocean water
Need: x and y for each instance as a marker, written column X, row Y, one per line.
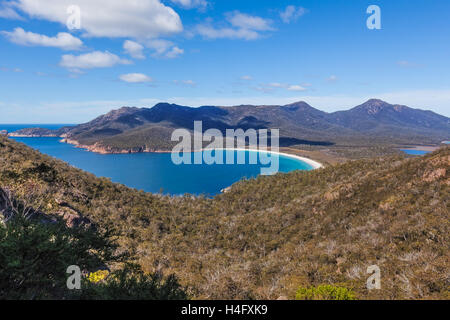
column 155, row 172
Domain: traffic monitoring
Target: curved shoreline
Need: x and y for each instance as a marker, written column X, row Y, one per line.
column 312, row 163
column 101, row 150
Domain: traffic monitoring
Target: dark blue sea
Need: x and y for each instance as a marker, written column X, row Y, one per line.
column 153, row 172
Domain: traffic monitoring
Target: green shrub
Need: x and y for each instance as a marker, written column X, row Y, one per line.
column 325, row 292
column 34, row 257
column 131, row 283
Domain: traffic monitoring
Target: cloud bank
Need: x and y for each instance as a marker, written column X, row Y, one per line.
column 107, row 18
column 96, row 59
column 62, row 40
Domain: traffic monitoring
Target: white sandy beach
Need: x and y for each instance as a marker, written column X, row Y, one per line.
column 314, row 164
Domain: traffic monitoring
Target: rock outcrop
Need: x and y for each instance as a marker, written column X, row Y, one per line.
column 10, row 206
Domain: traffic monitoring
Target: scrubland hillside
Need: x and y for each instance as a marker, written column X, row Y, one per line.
column 268, row 236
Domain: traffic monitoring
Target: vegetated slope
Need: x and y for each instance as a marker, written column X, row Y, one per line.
column 379, row 117
column 270, row 235
column 374, row 122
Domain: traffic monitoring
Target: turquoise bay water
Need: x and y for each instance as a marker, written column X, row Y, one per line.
column 152, row 172
column 415, row 152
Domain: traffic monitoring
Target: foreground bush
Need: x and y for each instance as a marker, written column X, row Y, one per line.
column 34, row 257
column 132, row 283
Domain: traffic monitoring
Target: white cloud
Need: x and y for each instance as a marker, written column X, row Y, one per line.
column 264, row 89
column 9, row 13
column 62, row 40
column 296, row 88
column 189, row 4
column 332, row 78
column 189, row 83
column 8, row 69
column 134, row 49
column 96, row 59
column 277, row 85
column 109, row 18
column 242, row 26
column 210, row 32
column 246, row 77
column 160, row 46
column 248, row 22
column 135, row 78
column 174, row 52
column 292, row 13
column 164, row 48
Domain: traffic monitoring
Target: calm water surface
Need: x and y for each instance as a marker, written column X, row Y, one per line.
column 415, row 152
column 152, row 172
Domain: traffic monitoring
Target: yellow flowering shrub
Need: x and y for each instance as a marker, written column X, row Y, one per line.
column 98, row 276
column 325, row 292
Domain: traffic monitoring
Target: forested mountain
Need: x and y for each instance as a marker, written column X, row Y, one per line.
column 149, row 129
column 379, row 117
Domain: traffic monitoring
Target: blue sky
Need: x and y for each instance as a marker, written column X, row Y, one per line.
column 205, row 52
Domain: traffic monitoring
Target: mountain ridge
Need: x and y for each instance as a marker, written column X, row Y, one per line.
column 132, row 129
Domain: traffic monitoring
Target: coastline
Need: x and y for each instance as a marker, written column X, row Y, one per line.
column 12, row 134
column 421, row 148
column 312, row 163
column 102, row 150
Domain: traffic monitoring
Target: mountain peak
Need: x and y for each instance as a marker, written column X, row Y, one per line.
column 374, row 118
column 373, row 106
column 165, row 106
column 301, row 104
column 375, row 101
column 303, row 107
column 116, row 113
column 161, row 104
column 122, row 110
